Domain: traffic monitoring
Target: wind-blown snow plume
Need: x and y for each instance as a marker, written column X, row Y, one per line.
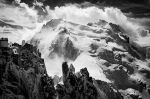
column 92, row 14
column 24, row 16
column 27, row 18
column 62, row 34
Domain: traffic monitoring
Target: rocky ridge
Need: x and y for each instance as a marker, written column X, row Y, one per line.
column 24, row 76
column 124, row 62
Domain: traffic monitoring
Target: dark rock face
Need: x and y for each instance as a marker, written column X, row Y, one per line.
column 121, row 64
column 82, row 86
column 23, row 74
column 109, row 90
column 62, row 46
column 131, row 47
column 74, row 87
column 115, row 27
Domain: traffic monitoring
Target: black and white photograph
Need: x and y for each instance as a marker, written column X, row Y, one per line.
column 74, row 49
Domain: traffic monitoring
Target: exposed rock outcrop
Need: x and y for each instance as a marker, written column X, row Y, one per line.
column 81, row 86
column 64, row 47
column 23, row 74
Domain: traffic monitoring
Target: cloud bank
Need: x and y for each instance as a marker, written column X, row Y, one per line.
column 73, row 13
column 22, row 15
column 27, row 17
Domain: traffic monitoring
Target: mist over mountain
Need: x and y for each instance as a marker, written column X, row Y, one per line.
column 74, row 49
